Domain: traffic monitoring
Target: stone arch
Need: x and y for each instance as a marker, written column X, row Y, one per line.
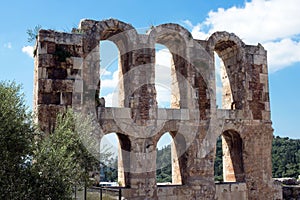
column 178, row 148
column 123, row 35
column 173, row 36
column 110, row 29
column 233, row 163
column 230, row 49
column 124, row 146
column 167, row 94
column 124, row 160
column 187, row 62
column 177, row 39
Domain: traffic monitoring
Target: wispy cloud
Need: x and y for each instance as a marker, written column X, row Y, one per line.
column 163, row 77
column 28, row 50
column 162, row 81
column 282, row 53
column 8, row 45
column 109, row 86
column 110, row 82
column 104, row 72
column 274, row 23
column 111, row 100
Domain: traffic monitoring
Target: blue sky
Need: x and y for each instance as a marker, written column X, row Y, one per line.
column 273, row 23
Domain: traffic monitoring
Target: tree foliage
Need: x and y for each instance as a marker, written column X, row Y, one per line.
column 16, row 139
column 285, row 160
column 108, row 165
column 285, row 157
column 218, row 167
column 33, row 33
column 164, row 165
column 62, row 159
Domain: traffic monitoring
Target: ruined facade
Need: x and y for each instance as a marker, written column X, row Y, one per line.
column 67, row 74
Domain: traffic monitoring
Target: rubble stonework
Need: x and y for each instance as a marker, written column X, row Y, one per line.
column 67, row 74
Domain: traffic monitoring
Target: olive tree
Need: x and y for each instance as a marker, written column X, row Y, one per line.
column 64, row 158
column 16, row 142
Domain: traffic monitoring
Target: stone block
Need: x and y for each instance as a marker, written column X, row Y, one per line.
column 266, row 115
column 57, row 73
column 259, row 59
column 42, row 49
column 46, row 60
column 78, row 86
column 49, row 98
column 42, row 73
column 63, row 85
column 66, row 98
column 45, row 85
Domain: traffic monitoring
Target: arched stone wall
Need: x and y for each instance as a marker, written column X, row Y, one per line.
column 233, row 166
column 67, row 75
column 230, row 49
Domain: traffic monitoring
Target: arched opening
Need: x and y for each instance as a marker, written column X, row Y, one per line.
column 201, row 95
column 218, row 166
column 114, row 159
column 163, row 80
column 228, row 166
column 172, row 38
column 109, row 159
column 224, row 98
column 167, row 163
column 109, row 75
column 232, row 147
column 232, row 72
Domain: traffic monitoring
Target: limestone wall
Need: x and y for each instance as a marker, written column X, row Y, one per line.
column 67, row 74
column 231, row 191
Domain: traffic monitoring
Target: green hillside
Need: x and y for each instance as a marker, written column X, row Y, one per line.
column 285, row 160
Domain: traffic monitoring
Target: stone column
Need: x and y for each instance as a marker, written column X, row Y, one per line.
column 143, row 169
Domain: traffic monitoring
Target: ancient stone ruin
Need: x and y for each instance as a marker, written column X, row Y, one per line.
column 67, row 74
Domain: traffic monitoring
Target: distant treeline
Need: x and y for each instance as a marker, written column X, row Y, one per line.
column 285, row 157
column 285, row 160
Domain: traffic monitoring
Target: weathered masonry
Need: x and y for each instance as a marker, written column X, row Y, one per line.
column 67, row 74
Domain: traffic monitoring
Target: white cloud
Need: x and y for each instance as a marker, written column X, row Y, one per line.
column 197, row 31
column 28, row 50
column 273, row 23
column 163, row 96
column 163, row 78
column 163, row 57
column 111, row 100
column 258, row 20
column 109, row 86
column 8, row 45
column 110, row 82
column 104, row 72
column 162, row 81
column 188, row 23
column 163, row 67
column 282, row 54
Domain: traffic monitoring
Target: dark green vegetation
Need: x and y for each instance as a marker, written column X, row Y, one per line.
column 16, row 142
column 108, row 165
column 38, row 166
column 286, row 157
column 163, row 165
column 285, row 160
column 219, row 161
column 62, row 160
column 33, row 33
